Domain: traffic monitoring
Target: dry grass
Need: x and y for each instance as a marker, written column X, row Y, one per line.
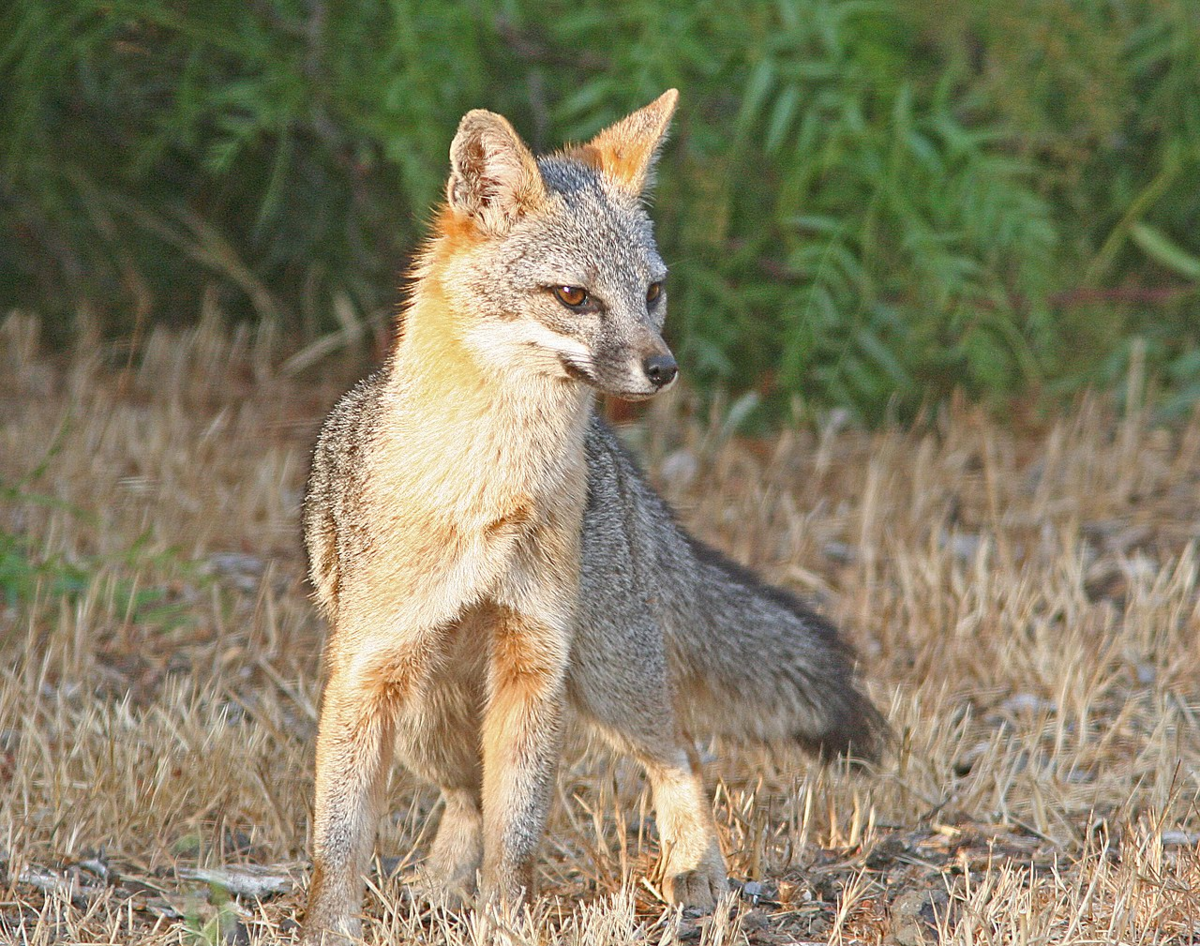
column 1024, row 598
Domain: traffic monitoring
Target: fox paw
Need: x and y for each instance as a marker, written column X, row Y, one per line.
column 696, row 890
column 448, row 878
column 453, row 894
column 697, row 886
column 316, row 933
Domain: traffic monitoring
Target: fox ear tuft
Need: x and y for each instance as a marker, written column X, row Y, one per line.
column 494, row 178
column 627, row 151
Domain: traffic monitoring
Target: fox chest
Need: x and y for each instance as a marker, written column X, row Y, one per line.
column 434, row 545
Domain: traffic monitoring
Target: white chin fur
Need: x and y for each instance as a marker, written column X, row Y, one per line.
column 529, row 345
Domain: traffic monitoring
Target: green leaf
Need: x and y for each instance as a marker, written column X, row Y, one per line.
column 1164, row 251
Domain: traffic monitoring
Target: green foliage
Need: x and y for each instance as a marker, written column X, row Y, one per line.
column 22, row 573
column 214, row 921
column 868, row 202
column 27, row 573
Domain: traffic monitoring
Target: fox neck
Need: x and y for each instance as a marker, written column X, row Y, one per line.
column 507, row 425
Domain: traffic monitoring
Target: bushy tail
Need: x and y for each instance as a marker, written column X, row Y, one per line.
column 749, row 661
column 745, row 660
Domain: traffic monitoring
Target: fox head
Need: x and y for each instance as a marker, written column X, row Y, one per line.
column 550, row 262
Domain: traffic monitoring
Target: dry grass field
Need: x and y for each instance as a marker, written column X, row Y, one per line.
column 1023, row 597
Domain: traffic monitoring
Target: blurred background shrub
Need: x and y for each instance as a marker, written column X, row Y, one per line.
column 867, row 203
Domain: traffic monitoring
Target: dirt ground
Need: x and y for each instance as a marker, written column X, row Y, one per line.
column 1022, row 595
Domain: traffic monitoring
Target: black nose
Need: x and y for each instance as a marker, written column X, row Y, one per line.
column 660, row 369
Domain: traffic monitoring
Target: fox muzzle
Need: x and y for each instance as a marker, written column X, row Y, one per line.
column 661, row 370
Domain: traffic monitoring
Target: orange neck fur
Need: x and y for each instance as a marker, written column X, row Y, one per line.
column 483, row 422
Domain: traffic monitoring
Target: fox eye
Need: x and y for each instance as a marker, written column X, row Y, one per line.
column 654, row 291
column 571, row 296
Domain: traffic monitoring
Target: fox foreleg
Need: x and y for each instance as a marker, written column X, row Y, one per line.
column 522, row 729
column 355, row 741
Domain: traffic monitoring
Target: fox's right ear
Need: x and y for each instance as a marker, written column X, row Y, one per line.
column 494, row 178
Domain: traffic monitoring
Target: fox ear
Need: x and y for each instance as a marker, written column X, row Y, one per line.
column 494, row 178
column 628, row 150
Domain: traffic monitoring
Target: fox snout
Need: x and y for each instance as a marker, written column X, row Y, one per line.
column 633, row 370
column 661, row 370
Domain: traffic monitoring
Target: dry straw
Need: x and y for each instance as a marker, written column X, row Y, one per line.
column 1023, row 597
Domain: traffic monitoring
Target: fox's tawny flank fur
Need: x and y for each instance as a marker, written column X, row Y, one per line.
column 492, row 562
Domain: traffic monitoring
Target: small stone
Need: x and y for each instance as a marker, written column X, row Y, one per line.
column 754, row 920
column 914, row 916
column 753, row 891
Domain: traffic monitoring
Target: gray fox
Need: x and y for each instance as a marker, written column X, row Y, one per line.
column 492, row 563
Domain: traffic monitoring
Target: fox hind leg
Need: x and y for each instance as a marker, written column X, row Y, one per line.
column 691, row 870
column 439, row 741
column 456, row 856
column 619, row 685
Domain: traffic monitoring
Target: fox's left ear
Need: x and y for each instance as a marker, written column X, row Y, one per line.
column 627, row 151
